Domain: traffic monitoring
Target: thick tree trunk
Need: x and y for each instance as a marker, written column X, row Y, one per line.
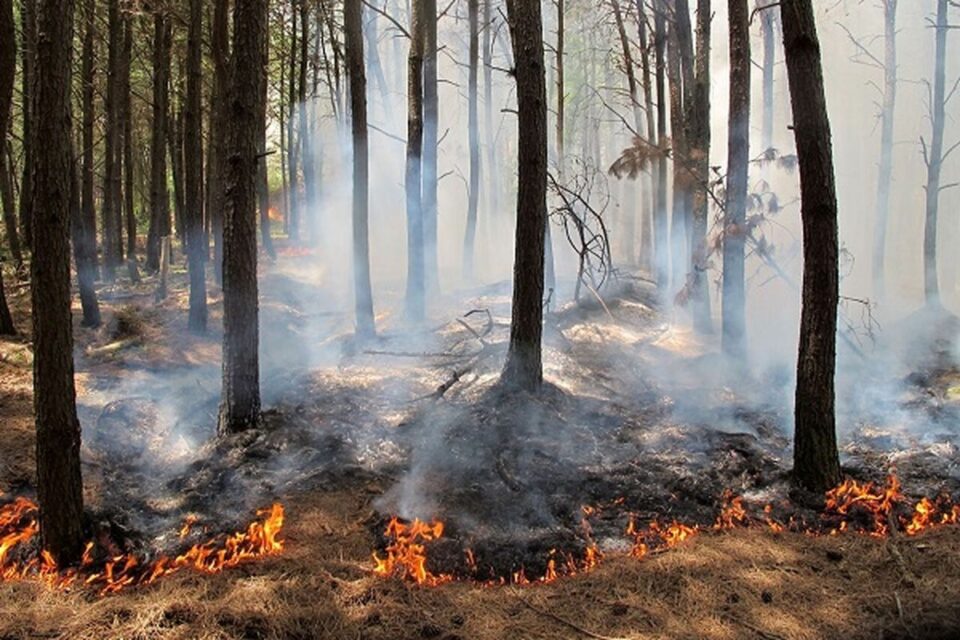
column 430, row 176
column 159, row 197
column 111, row 163
column 699, row 157
column 59, row 485
column 193, row 172
column 815, row 458
column 217, row 128
column 738, row 162
column 473, row 133
column 885, row 175
column 28, row 26
column 933, row 155
column 126, row 122
column 524, row 368
column 240, row 403
column 416, row 277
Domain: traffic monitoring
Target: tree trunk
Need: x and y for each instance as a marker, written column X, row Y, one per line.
column 263, row 180
column 59, row 485
column 28, row 25
column 661, row 241
column 738, row 162
column 699, row 157
column 292, row 144
column 353, row 45
column 524, row 369
column 217, row 128
column 934, row 159
column 193, row 173
column 681, row 175
column 815, row 458
column 431, row 115
column 473, row 126
column 374, row 65
column 159, row 197
column 416, row 277
column 630, row 213
column 649, row 202
column 240, row 403
column 309, row 211
column 885, row 175
column 111, row 163
column 81, row 254
column 88, row 171
column 126, row 121
column 492, row 179
column 8, row 64
column 175, row 139
column 9, row 215
column 768, row 28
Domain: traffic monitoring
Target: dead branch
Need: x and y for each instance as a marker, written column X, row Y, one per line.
column 564, row 621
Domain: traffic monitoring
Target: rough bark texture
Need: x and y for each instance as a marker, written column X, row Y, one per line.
column 59, row 485
column 524, row 368
column 816, row 462
column 363, row 294
column 430, row 176
column 416, row 278
column 240, row 400
column 738, row 162
column 159, row 197
column 933, row 155
column 193, row 174
column 473, row 133
column 885, row 175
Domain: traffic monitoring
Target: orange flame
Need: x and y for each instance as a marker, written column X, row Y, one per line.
column 19, row 524
column 406, row 554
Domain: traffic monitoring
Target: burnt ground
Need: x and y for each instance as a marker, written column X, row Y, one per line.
column 639, row 420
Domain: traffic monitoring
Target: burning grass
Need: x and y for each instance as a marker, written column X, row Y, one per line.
column 19, row 560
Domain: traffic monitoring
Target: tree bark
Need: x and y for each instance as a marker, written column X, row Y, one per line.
column 416, row 277
column 8, row 63
column 81, row 254
column 649, row 203
column 473, row 133
column 815, row 459
column 934, row 160
column 738, row 162
column 309, row 211
column 193, row 172
column 524, row 368
column 88, row 171
column 293, row 212
column 699, row 157
column 431, row 115
column 263, row 180
column 885, row 175
column 159, row 197
column 59, row 485
column 661, row 242
column 240, row 403
column 111, row 163
column 126, row 125
column 175, row 140
column 28, row 25
column 492, row 179
column 217, row 128
column 679, row 242
column 768, row 28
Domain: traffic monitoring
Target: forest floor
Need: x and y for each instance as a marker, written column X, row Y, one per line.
column 639, row 415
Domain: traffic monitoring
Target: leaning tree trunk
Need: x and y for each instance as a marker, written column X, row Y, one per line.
column 430, row 176
column 59, row 485
column 738, row 162
column 193, row 174
column 473, row 131
column 885, row 175
column 159, row 196
column 240, row 403
column 416, row 278
column 934, row 156
column 28, row 24
column 353, row 35
column 524, row 368
column 816, row 461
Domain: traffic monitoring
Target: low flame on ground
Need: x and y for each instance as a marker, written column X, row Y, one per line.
column 19, row 524
column 851, row 507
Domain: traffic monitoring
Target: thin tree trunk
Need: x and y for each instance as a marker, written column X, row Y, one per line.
column 885, row 175
column 28, row 25
column 9, row 216
column 87, row 200
column 768, row 28
column 240, row 403
column 292, row 144
column 126, row 123
column 263, row 180
column 700, row 159
column 431, row 115
column 374, row 64
column 816, row 464
column 175, row 138
column 159, row 197
column 661, row 242
column 8, row 63
column 630, row 201
column 59, row 485
column 738, row 161
column 473, row 127
column 193, row 172
column 492, row 178
column 111, row 163
column 309, row 211
column 353, row 45
column 681, row 175
column 524, row 368
column 416, row 278
column 81, row 254
column 933, row 156
column 217, row 128
column 649, row 202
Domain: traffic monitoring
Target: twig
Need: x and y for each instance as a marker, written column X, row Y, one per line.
column 564, row 621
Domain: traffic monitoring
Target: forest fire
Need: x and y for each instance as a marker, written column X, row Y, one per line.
column 850, row 507
column 19, row 525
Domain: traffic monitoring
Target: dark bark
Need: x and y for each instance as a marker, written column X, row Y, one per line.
column 524, row 368
column 661, row 241
column 353, row 49
column 28, row 26
column 933, row 155
column 59, row 485
column 193, row 172
column 699, row 158
column 816, row 461
column 430, row 176
column 80, row 236
column 111, row 165
column 885, row 175
column 175, row 140
column 217, row 128
column 126, row 123
column 681, row 175
column 240, row 403
column 473, row 133
column 8, row 63
column 88, row 170
column 738, row 162
column 159, row 197
column 416, row 278
column 9, row 215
